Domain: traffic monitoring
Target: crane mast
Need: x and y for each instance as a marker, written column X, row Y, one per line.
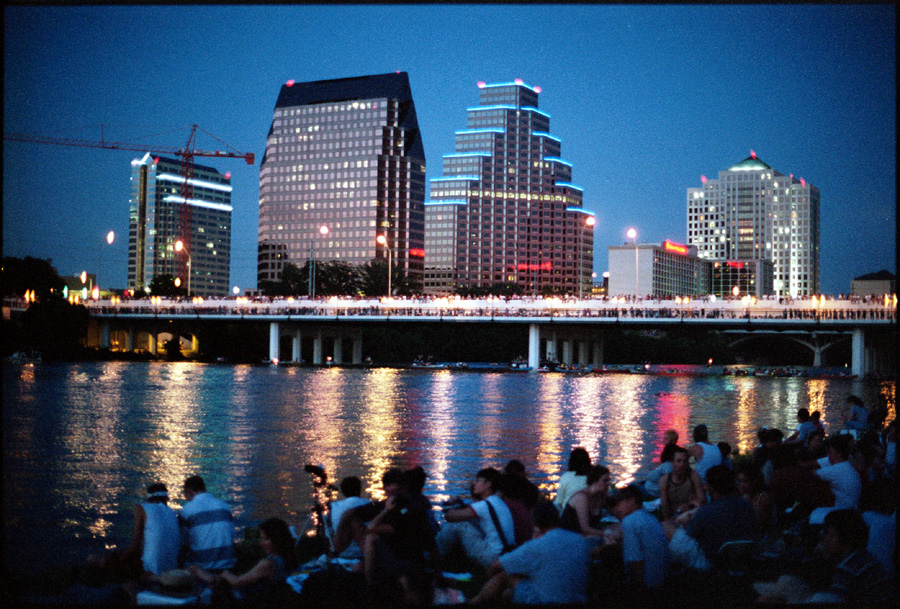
column 186, row 155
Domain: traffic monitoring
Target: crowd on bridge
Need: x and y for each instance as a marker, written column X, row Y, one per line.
column 807, row 517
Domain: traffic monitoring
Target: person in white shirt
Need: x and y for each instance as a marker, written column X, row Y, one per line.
column 351, row 488
column 842, row 477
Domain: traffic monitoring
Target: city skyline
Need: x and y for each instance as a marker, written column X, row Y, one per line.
column 645, row 99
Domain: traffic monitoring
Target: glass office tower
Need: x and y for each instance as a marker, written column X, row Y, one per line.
column 344, row 164
column 505, row 211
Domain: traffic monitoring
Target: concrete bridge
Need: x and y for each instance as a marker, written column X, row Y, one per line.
column 570, row 329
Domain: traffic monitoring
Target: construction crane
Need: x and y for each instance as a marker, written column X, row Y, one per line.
column 186, row 154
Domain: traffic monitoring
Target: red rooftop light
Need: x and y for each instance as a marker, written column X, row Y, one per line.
column 752, row 154
column 481, row 84
column 518, row 81
column 290, row 83
column 228, row 175
column 537, row 89
column 703, row 179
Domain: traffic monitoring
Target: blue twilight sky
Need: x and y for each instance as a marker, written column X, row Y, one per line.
column 645, row 99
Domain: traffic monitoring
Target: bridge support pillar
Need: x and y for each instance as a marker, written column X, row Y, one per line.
column 274, row 342
column 858, row 353
column 534, row 347
column 583, row 353
column 567, row 351
column 195, row 344
column 357, row 348
column 338, row 349
column 152, row 342
column 317, row 349
column 129, row 339
column 295, row 346
column 104, row 335
column 550, row 353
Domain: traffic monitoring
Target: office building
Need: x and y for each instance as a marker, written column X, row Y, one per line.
column 505, row 210
column 739, row 278
column 344, row 164
column 874, row 284
column 158, row 210
column 657, row 270
column 755, row 212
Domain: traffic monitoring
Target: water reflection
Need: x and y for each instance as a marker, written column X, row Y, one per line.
column 81, row 441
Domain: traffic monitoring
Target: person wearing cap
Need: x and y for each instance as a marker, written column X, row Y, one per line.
column 645, row 548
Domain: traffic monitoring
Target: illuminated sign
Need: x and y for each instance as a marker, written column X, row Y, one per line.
column 671, row 246
column 417, row 252
column 735, row 264
column 544, row 266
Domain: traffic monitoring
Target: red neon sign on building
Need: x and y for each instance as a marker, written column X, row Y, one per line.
column 671, row 246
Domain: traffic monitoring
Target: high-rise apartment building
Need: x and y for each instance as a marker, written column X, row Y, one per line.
column 344, row 164
column 505, row 209
column 754, row 212
column 155, row 224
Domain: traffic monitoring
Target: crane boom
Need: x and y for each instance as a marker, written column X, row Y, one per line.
column 61, row 141
column 187, row 154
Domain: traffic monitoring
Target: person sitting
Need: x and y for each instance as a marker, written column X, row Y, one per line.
column 805, row 427
column 752, row 487
column 728, row 517
column 681, row 490
column 645, row 547
column 859, row 579
column 352, row 525
column 155, row 543
column 482, row 530
column 651, row 483
column 258, row 586
column 585, row 509
column 882, row 522
column 512, row 491
column 705, row 455
column 351, row 488
column 207, row 528
column 859, row 416
column 552, row 568
column 816, row 418
column 725, row 449
column 519, row 486
column 842, row 477
column 399, row 540
column 574, row 479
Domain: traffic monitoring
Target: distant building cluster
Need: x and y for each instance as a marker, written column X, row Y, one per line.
column 343, row 179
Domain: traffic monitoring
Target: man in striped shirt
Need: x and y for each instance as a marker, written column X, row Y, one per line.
column 207, row 528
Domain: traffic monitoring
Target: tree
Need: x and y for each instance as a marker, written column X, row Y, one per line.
column 20, row 275
column 164, row 285
column 374, row 279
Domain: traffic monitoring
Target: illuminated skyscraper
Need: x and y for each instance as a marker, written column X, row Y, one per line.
column 754, row 212
column 157, row 205
column 505, row 210
column 344, row 164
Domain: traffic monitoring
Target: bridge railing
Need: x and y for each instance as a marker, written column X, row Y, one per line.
column 798, row 309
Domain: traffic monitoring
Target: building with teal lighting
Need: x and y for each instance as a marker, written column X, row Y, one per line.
column 505, row 210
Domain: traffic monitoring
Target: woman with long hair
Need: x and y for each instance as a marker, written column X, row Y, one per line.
column 574, row 479
column 584, row 510
column 681, row 490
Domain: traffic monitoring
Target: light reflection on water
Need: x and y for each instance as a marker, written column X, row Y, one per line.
column 82, row 441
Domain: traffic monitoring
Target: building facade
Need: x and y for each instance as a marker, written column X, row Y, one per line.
column 755, row 212
column 344, row 164
column 504, row 210
column 651, row 270
column 157, row 212
column 874, row 284
column 738, row 278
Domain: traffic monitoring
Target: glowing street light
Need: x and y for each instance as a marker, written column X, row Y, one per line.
column 382, row 239
column 632, row 234
column 179, row 246
column 110, row 237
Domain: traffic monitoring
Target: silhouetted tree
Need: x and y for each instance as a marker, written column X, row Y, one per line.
column 19, row 275
column 164, row 285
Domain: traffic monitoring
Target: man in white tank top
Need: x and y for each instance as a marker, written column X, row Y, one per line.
column 705, row 455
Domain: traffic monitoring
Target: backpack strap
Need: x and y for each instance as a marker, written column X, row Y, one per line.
column 506, row 546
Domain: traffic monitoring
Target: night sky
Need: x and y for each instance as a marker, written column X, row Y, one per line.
column 645, row 99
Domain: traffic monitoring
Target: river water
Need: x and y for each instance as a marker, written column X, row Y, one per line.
column 82, row 441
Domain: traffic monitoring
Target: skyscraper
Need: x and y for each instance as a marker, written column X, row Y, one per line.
column 344, row 164
column 505, row 210
column 156, row 213
column 754, row 212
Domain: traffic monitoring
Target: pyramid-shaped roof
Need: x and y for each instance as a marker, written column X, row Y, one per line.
column 751, row 163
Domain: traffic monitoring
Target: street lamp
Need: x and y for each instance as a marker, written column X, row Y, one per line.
column 179, row 246
column 323, row 230
column 110, row 237
column 632, row 234
column 589, row 222
column 382, row 239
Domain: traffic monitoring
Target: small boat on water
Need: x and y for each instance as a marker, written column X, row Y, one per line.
column 28, row 358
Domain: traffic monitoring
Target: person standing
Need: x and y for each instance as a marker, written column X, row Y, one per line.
column 705, row 455
column 207, row 528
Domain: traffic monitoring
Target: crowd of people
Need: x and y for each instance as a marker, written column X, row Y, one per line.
column 814, row 513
